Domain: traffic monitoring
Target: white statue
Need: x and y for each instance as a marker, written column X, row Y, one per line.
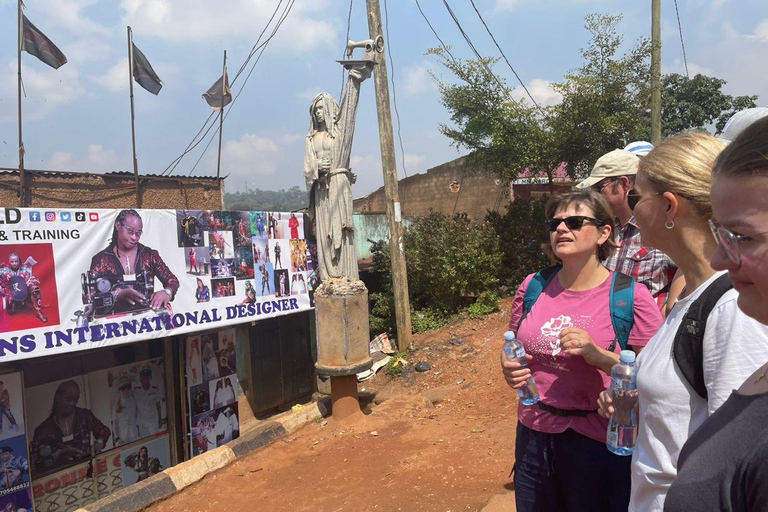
column 329, row 179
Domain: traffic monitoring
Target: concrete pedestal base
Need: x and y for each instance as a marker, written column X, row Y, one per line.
column 342, row 341
column 345, row 401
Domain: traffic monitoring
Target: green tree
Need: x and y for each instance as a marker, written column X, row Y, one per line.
column 505, row 136
column 694, row 103
column 605, row 101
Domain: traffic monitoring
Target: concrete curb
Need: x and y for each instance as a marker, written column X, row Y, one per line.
column 143, row 494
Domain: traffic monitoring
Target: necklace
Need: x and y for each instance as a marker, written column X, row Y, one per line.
column 65, row 427
column 127, row 260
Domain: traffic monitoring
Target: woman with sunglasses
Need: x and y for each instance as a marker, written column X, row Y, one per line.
column 724, row 464
column 671, row 203
column 561, row 462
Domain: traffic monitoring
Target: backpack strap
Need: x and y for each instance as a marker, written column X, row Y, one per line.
column 622, row 305
column 535, row 288
column 688, row 344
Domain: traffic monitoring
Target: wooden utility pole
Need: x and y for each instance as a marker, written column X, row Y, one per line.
column 655, row 72
column 22, row 172
column 389, row 167
column 133, row 119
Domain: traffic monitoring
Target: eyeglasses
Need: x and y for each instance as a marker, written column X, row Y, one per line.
column 600, row 186
column 574, row 222
column 131, row 232
column 633, row 197
column 730, row 241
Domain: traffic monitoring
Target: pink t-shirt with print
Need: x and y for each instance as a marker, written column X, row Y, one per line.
column 566, row 381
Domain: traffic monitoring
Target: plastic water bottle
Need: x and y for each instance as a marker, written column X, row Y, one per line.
column 514, row 351
column 622, row 427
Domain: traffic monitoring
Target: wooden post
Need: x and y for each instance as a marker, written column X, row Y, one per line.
column 389, row 167
column 22, row 174
column 655, row 72
column 133, row 127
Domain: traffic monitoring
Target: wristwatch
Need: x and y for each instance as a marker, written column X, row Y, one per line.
column 169, row 292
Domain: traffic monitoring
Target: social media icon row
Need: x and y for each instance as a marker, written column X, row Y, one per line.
column 35, row 216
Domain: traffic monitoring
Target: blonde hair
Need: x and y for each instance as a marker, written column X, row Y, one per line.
column 683, row 164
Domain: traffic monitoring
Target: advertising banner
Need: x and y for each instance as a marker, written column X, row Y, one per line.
column 78, row 279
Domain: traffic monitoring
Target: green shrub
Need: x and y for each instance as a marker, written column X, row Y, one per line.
column 395, row 365
column 521, row 231
column 486, row 303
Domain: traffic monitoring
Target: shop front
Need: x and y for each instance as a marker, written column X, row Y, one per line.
column 133, row 340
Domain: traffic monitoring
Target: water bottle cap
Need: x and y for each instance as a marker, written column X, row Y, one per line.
column 627, row 356
column 509, row 336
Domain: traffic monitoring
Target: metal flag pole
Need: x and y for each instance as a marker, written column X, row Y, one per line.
column 22, row 173
column 221, row 115
column 133, row 117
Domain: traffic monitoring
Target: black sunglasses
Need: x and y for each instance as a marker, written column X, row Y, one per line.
column 633, row 197
column 574, row 222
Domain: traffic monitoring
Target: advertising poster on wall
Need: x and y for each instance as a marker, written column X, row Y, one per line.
column 64, row 429
column 214, row 428
column 11, row 406
column 18, row 501
column 14, row 465
column 65, row 491
column 132, row 397
column 144, row 460
column 80, row 279
column 212, row 389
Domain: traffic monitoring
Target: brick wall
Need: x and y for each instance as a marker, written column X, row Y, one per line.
column 476, row 195
column 56, row 189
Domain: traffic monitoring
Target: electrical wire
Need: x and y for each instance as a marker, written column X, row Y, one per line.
column 682, row 43
column 195, row 142
column 394, row 93
column 263, row 47
column 446, row 49
column 505, row 57
column 479, row 57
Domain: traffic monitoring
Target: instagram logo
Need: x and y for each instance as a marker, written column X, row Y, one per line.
column 50, row 216
column 93, row 217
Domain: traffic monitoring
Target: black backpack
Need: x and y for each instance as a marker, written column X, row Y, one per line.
column 687, row 347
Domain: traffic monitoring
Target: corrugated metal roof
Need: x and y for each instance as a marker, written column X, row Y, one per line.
column 48, row 172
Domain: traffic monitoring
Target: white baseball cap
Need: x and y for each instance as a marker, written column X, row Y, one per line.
column 618, row 162
column 639, row 148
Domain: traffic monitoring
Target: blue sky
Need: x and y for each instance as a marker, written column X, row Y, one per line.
column 78, row 117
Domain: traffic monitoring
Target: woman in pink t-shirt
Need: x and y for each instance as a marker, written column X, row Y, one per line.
column 561, row 462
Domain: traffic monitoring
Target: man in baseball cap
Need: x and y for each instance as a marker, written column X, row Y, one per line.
column 613, row 176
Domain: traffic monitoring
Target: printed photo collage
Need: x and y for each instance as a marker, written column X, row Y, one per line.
column 95, row 433
column 211, row 373
column 247, row 254
column 15, row 487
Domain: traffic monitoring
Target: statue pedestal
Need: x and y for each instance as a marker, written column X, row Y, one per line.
column 342, row 341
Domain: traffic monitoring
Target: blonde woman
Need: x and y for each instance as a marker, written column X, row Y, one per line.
column 724, row 465
column 671, row 204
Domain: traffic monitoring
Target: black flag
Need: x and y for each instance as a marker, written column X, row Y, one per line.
column 143, row 73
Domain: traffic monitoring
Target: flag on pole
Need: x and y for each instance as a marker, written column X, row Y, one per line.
column 143, row 73
column 36, row 43
column 219, row 95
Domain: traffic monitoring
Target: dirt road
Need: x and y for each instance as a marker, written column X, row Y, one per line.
column 435, row 441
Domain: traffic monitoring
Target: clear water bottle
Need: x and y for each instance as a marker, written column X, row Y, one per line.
column 622, row 427
column 514, row 351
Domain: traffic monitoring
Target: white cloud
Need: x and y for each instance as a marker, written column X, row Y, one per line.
column 309, row 93
column 418, row 80
column 202, row 20
column 505, row 5
column 414, row 163
column 761, row 32
column 695, row 69
column 46, row 88
column 542, row 92
column 97, row 159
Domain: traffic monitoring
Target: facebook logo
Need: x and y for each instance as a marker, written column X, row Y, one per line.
column 34, row 216
column 80, row 216
column 66, row 216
